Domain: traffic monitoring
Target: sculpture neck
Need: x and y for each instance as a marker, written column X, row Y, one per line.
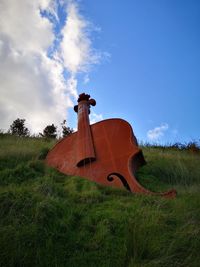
column 85, row 147
column 83, row 115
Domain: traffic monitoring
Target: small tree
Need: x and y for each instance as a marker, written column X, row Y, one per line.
column 18, row 128
column 66, row 130
column 50, row 131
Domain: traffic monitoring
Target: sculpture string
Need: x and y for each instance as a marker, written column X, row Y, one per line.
column 106, row 152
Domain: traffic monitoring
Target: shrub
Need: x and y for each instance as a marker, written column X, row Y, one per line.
column 18, row 128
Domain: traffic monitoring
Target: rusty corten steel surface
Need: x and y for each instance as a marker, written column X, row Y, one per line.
column 85, row 146
column 105, row 152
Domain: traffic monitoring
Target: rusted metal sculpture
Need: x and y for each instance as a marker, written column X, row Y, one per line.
column 106, row 152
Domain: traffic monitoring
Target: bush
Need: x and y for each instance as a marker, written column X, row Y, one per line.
column 18, row 128
column 50, row 131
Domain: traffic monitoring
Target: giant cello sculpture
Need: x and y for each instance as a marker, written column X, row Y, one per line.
column 106, row 152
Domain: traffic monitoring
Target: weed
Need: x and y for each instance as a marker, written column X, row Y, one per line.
column 50, row 219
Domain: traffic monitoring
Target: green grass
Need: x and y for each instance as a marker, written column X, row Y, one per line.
column 49, row 219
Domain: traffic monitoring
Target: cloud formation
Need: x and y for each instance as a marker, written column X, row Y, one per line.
column 76, row 48
column 35, row 84
column 157, row 132
column 94, row 117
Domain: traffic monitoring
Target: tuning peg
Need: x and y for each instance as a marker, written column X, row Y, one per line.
column 92, row 102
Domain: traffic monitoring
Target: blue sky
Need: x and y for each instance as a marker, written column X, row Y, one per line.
column 153, row 74
column 140, row 60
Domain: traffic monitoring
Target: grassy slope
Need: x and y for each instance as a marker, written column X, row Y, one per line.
column 48, row 219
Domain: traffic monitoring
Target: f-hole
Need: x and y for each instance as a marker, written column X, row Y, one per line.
column 85, row 161
column 110, row 178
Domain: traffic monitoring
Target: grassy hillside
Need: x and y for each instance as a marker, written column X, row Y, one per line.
column 48, row 219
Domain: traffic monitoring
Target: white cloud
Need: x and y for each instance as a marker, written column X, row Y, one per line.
column 23, row 25
column 32, row 84
column 95, row 117
column 76, row 48
column 157, row 132
column 86, row 79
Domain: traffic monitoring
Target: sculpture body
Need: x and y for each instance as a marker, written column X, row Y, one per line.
column 105, row 152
